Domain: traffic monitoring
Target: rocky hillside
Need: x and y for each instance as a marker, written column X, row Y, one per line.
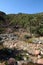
column 33, row 23
column 18, row 44
column 16, row 48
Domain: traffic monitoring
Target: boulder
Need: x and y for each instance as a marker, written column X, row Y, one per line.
column 40, row 61
column 36, row 52
column 41, row 52
column 39, row 56
column 3, row 63
column 11, row 61
column 22, row 62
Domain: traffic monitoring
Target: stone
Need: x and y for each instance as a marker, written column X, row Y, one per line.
column 40, row 61
column 22, row 62
column 3, row 63
column 27, row 54
column 36, row 52
column 24, row 58
column 41, row 52
column 11, row 61
column 11, row 46
column 39, row 56
column 0, row 63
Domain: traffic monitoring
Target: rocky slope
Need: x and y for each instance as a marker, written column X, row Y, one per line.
column 22, row 50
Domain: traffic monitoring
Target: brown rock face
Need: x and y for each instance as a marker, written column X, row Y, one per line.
column 40, row 61
column 11, row 61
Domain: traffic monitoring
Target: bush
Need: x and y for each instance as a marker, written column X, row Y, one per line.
column 40, row 31
column 29, row 41
column 27, row 36
column 0, row 38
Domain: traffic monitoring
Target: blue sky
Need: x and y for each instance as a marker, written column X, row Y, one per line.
column 22, row 6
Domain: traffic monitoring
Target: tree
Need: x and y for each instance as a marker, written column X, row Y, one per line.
column 30, row 22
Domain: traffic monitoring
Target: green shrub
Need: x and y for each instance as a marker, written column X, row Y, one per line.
column 40, row 31
column 27, row 36
column 29, row 41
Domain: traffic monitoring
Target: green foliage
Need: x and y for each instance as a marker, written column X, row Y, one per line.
column 41, row 31
column 2, row 30
column 30, row 40
column 31, row 22
column 27, row 36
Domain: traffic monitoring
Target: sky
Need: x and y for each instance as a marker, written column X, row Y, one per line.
column 21, row 6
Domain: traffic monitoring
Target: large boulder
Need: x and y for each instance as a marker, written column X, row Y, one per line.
column 11, row 61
